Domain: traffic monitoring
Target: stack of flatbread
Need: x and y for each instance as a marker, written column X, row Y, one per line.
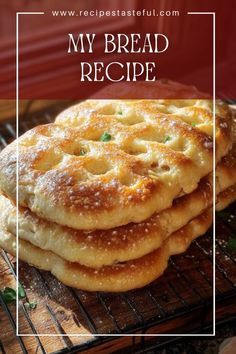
column 113, row 188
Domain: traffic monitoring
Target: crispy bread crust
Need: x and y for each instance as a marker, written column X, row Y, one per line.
column 117, row 278
column 127, row 179
column 98, row 248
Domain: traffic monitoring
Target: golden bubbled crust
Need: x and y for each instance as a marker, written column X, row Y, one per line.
column 154, row 150
column 117, row 278
column 106, row 247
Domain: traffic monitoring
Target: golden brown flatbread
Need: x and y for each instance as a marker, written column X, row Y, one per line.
column 106, row 247
column 116, row 278
column 108, row 163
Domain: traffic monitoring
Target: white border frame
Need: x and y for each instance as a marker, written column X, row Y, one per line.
column 17, row 214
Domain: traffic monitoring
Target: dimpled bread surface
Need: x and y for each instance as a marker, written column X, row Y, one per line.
column 105, row 247
column 153, row 151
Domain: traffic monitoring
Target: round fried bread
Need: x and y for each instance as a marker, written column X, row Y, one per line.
column 98, row 248
column 195, row 112
column 117, row 278
column 131, row 241
column 114, row 162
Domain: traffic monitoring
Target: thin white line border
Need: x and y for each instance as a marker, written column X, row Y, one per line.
column 213, row 14
column 17, row 214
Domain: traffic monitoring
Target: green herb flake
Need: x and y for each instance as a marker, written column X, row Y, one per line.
column 21, row 292
column 166, row 138
column 82, row 152
column 231, row 246
column 32, row 305
column 193, row 124
column 105, row 137
column 120, row 113
column 8, row 295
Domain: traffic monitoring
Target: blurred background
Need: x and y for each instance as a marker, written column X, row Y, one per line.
column 46, row 71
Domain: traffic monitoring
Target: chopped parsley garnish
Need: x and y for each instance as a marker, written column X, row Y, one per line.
column 82, row 152
column 105, row 137
column 9, row 294
column 21, row 292
column 231, row 246
column 120, row 113
column 193, row 124
column 32, row 305
column 166, row 138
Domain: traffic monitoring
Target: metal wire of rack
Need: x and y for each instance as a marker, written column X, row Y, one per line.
column 179, row 302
